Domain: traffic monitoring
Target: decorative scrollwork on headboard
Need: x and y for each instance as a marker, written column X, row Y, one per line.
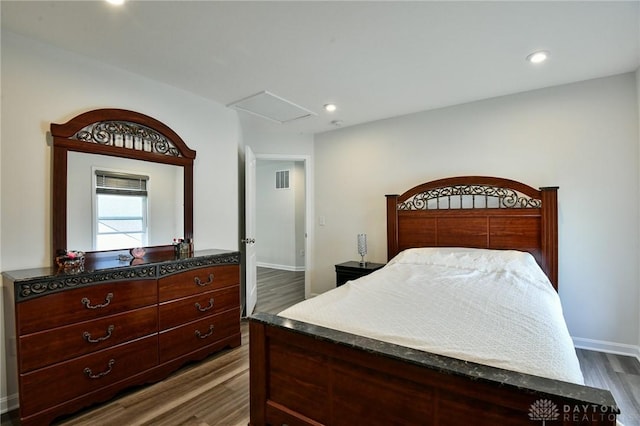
column 469, row 196
column 125, row 134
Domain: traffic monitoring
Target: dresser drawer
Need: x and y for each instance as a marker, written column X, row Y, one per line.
column 62, row 382
column 180, row 311
column 198, row 334
column 83, row 304
column 198, row 281
column 41, row 349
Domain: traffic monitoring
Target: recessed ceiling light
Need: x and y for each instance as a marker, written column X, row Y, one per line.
column 330, row 107
column 538, row 57
column 115, row 2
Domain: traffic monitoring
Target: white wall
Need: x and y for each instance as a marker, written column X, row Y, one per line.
column 263, row 138
column 41, row 85
column 582, row 137
column 278, row 215
column 638, row 106
column 4, row 399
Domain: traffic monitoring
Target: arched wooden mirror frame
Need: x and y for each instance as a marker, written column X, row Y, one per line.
column 114, row 132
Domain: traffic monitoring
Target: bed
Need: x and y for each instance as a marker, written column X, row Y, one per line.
column 404, row 345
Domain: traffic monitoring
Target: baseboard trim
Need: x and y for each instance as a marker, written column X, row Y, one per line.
column 8, row 403
column 281, row 267
column 608, row 347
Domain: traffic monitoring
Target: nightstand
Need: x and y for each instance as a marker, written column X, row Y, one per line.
column 351, row 270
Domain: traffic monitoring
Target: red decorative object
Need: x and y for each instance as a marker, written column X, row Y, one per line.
column 70, row 261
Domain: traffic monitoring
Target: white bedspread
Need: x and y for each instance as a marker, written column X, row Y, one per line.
column 492, row 307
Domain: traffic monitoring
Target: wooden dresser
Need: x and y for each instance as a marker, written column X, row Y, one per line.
column 83, row 337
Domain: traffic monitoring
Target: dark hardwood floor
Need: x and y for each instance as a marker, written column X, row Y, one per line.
column 216, row 391
column 278, row 289
column 620, row 374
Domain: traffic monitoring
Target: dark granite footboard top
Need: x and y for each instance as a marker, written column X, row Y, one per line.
column 447, row 365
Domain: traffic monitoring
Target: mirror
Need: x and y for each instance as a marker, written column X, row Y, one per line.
column 119, row 141
column 161, row 219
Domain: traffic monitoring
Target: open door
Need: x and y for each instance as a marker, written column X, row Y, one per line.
column 251, row 285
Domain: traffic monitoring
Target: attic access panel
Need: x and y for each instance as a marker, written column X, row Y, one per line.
column 272, row 107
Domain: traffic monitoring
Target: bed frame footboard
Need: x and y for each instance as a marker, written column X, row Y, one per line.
column 303, row 374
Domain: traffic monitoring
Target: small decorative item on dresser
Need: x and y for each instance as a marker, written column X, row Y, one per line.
column 137, row 252
column 182, row 248
column 362, row 247
column 70, row 261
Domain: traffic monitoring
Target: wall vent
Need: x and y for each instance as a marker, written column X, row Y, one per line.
column 282, row 179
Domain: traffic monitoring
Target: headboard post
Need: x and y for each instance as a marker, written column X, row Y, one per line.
column 549, row 230
column 392, row 225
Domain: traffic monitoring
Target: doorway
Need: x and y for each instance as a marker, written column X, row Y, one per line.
column 282, row 241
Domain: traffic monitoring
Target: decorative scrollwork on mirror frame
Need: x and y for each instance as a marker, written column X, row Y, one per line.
column 124, row 134
column 473, row 196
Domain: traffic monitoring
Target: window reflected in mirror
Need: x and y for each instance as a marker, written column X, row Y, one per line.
column 121, row 210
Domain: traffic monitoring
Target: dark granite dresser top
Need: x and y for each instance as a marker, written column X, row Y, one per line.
column 445, row 364
column 107, row 266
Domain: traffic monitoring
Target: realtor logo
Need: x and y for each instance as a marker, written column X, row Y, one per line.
column 544, row 410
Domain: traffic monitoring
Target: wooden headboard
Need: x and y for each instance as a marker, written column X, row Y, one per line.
column 477, row 212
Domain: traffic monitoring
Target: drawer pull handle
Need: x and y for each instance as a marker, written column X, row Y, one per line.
column 87, row 335
column 90, row 374
column 206, row 308
column 204, row 336
column 87, row 303
column 202, row 284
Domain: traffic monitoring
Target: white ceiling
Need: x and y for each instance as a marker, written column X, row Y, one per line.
column 373, row 59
